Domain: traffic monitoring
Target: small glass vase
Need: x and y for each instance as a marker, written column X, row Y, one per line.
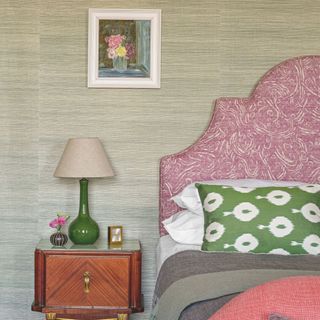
column 58, row 239
column 120, row 64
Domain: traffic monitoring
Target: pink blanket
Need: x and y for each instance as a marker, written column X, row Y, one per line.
column 294, row 298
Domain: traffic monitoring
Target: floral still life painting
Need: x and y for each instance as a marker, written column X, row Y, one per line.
column 124, row 48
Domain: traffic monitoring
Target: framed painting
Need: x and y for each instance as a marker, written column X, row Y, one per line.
column 124, row 48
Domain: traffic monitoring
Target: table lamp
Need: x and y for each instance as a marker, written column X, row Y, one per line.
column 84, row 158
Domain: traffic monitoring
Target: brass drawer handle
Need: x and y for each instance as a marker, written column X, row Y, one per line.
column 86, row 282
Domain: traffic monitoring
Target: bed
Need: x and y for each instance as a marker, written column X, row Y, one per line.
column 272, row 135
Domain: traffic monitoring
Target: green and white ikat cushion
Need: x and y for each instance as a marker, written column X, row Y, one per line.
column 279, row 220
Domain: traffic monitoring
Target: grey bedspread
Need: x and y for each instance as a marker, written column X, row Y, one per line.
column 192, row 276
column 204, row 309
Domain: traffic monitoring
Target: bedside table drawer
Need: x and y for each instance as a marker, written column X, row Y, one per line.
column 87, row 281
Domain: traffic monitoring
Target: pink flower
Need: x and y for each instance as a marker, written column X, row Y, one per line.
column 130, row 50
column 111, row 53
column 59, row 222
column 54, row 223
column 62, row 221
column 114, row 41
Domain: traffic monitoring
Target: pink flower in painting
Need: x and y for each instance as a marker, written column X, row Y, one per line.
column 114, row 41
column 130, row 50
column 111, row 53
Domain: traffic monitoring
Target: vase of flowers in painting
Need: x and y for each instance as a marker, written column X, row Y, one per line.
column 120, row 63
column 120, row 51
column 58, row 238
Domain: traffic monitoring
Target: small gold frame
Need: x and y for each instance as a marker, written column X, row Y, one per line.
column 115, row 235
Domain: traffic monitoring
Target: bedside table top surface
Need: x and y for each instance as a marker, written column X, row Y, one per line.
column 128, row 245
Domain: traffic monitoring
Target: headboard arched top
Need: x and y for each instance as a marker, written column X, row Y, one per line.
column 274, row 134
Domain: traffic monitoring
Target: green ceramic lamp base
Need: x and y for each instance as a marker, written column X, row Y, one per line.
column 83, row 230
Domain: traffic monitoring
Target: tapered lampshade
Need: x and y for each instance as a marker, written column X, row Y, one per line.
column 84, row 158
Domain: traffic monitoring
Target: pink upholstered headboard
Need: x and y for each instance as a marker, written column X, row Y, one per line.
column 273, row 134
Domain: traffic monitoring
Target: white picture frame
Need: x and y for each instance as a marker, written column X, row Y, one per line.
column 112, row 67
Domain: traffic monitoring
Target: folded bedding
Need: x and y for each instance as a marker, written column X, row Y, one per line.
column 167, row 247
column 190, row 276
column 251, row 232
column 204, row 309
column 293, row 298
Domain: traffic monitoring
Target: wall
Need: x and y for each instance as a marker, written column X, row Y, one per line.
column 209, row 49
column 19, row 144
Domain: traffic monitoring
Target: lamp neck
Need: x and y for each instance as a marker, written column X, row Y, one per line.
column 84, row 205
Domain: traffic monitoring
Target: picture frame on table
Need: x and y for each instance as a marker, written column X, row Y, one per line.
column 124, row 48
column 115, row 235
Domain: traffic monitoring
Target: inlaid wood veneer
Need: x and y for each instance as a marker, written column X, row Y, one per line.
column 88, row 282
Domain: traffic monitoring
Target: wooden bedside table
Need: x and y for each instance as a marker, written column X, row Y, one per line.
column 88, row 282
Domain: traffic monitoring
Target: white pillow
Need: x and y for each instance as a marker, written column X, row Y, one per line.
column 189, row 198
column 185, row 227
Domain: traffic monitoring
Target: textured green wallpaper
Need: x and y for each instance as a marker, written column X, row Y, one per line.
column 19, row 143
column 209, row 49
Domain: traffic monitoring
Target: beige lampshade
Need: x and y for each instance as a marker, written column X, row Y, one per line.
column 84, row 158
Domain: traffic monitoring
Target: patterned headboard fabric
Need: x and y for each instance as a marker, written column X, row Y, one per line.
column 274, row 134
